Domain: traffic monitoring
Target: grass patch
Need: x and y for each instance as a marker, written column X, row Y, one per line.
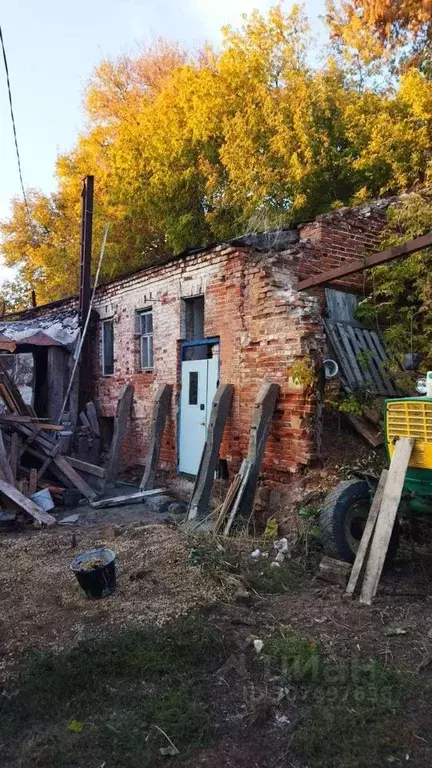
column 232, row 561
column 98, row 702
column 347, row 709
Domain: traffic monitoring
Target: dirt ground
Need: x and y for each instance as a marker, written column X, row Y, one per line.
column 164, row 573
column 43, row 608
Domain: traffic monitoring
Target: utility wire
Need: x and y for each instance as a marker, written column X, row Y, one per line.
column 15, row 132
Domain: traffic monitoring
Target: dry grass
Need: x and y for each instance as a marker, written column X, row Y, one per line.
column 43, row 607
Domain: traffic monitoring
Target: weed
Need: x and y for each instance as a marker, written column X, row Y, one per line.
column 347, row 707
column 265, row 579
column 231, row 563
column 116, row 689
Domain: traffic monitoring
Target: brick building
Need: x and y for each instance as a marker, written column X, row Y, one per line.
column 226, row 313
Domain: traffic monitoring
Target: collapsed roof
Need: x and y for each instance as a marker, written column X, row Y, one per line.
column 59, row 328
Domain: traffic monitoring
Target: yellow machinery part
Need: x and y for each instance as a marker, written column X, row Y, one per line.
column 411, row 418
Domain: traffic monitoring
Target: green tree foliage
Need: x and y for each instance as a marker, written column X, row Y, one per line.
column 401, row 299
column 186, row 150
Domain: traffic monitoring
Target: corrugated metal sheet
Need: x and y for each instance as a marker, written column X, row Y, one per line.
column 363, row 361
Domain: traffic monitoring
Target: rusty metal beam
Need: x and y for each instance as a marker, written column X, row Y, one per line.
column 374, row 260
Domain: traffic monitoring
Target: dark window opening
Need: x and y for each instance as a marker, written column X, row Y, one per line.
column 40, row 356
column 193, row 388
column 108, row 347
column 106, row 424
column 201, row 351
column 194, row 318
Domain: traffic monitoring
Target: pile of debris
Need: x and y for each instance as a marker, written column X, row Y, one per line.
column 31, row 459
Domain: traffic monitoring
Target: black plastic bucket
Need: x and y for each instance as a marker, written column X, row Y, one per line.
column 95, row 572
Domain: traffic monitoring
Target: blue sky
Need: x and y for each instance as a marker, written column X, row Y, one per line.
column 52, row 48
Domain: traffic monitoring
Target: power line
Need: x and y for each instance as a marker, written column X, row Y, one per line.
column 14, row 131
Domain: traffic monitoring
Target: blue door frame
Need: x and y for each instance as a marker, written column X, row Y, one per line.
column 183, row 346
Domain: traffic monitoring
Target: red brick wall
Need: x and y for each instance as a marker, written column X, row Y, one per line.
column 341, row 236
column 263, row 325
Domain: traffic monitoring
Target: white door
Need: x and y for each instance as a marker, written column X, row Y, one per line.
column 198, row 387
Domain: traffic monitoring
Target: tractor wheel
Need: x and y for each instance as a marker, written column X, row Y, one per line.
column 342, row 520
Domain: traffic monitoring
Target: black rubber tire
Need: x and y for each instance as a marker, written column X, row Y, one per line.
column 336, row 505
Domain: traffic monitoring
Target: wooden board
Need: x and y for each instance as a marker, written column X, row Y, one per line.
column 13, row 455
column 17, row 418
column 25, row 504
column 350, row 354
column 84, row 421
column 262, row 417
column 15, row 395
column 33, row 479
column 84, row 466
column 333, row 571
column 200, row 499
column 133, row 498
column 5, row 467
column 48, row 460
column 245, row 473
column 76, row 480
column 93, row 418
column 346, row 374
column 229, row 499
column 361, row 358
column 160, row 413
column 367, row 534
column 124, row 406
column 386, row 518
column 370, row 432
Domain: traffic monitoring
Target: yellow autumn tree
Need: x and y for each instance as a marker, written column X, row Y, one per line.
column 187, row 150
column 397, row 32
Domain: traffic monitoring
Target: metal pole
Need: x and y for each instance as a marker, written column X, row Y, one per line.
column 84, row 330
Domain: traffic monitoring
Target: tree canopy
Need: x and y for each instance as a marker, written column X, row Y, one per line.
column 188, row 149
column 398, row 32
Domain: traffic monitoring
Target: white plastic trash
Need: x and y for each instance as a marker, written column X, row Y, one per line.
column 429, row 384
column 43, row 499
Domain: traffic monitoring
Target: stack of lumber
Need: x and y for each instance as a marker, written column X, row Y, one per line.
column 30, row 457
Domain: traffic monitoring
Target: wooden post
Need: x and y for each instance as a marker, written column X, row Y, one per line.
column 4, row 463
column 33, row 480
column 199, row 503
column 13, row 457
column 386, row 518
column 160, row 413
column 92, row 417
column 124, row 406
column 260, row 427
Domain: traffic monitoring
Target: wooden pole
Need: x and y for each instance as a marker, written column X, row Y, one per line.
column 160, row 413
column 124, row 406
column 199, row 503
